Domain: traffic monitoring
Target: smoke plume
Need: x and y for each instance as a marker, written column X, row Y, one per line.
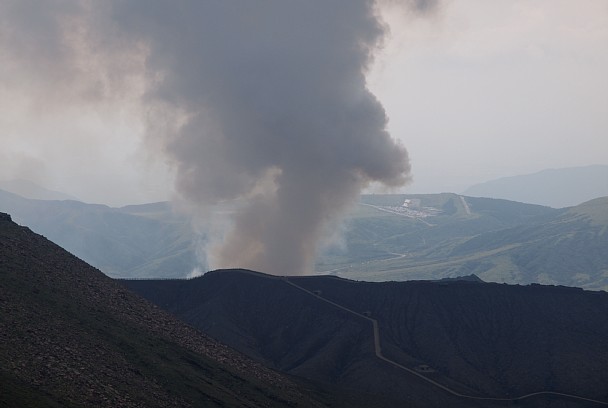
column 263, row 102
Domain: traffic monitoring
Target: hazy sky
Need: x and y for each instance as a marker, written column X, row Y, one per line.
column 478, row 90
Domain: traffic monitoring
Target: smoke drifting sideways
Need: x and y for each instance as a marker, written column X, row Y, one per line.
column 261, row 102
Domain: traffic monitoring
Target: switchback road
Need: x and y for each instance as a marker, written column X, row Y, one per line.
column 378, row 352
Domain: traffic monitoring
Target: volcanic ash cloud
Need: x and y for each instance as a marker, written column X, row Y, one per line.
column 270, row 106
column 264, row 103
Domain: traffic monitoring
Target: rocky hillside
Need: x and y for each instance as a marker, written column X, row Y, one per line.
column 70, row 336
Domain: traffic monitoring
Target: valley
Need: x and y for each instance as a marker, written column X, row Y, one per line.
column 384, row 237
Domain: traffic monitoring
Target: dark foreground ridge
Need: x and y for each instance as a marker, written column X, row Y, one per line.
column 72, row 337
column 461, row 342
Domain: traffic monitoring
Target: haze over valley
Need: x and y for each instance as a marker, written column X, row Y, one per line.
column 384, row 237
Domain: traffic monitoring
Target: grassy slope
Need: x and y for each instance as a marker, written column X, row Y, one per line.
column 498, row 240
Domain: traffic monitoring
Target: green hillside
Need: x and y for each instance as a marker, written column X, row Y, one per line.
column 451, row 235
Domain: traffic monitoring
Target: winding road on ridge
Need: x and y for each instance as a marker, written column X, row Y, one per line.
column 378, row 351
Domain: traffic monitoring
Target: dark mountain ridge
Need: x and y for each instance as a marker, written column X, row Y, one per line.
column 477, row 339
column 70, row 336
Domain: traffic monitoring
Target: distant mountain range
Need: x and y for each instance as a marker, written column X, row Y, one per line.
column 29, row 189
column 134, row 241
column 386, row 237
column 451, row 343
column 555, row 188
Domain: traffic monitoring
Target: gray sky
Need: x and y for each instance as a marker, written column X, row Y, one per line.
column 490, row 89
column 480, row 90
